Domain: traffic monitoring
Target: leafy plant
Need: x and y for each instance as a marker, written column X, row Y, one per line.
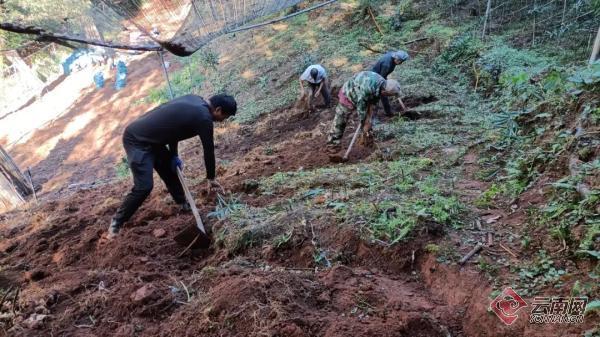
column 485, row 199
column 225, row 207
column 541, row 272
column 122, row 169
column 587, row 77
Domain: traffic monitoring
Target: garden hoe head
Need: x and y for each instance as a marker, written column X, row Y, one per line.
column 336, row 158
column 194, row 236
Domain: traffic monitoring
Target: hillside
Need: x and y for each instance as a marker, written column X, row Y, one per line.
column 500, row 147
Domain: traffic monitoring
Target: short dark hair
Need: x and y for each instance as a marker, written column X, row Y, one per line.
column 314, row 73
column 226, row 102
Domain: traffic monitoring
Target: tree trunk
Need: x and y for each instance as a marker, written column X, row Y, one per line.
column 596, row 48
column 14, row 186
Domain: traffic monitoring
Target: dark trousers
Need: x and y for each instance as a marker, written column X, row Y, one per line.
column 142, row 159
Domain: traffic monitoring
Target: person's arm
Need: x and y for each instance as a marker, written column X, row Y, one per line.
column 402, row 104
column 361, row 109
column 208, row 146
column 367, row 122
column 301, row 87
column 320, row 87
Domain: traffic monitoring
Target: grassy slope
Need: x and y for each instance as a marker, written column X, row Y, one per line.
column 415, row 186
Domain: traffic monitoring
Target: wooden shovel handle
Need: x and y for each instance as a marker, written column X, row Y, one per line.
column 358, row 130
column 190, row 201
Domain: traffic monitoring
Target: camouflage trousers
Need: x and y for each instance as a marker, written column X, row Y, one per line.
column 342, row 113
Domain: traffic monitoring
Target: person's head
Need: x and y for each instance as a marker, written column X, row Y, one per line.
column 223, row 107
column 390, row 88
column 400, row 56
column 314, row 73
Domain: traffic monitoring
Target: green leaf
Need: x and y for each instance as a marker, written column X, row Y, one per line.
column 593, row 306
column 593, row 253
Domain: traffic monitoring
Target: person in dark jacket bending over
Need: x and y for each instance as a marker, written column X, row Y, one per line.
column 151, row 143
column 384, row 67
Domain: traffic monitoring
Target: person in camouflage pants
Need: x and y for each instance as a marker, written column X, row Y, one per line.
column 359, row 93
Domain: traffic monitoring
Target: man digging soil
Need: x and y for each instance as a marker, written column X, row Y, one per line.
column 384, row 67
column 313, row 83
column 151, row 143
column 360, row 94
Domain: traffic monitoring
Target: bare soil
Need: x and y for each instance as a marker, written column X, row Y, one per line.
column 73, row 283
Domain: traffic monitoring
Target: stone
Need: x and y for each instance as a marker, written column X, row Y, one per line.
column 159, row 233
column 143, row 294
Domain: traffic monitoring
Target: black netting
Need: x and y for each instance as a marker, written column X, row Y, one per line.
column 179, row 26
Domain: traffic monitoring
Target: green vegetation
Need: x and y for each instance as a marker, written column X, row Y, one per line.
column 122, row 168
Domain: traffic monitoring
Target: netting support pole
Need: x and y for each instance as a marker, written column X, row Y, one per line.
column 281, row 18
column 162, row 62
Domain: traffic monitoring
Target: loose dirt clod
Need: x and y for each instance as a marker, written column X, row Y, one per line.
column 336, row 158
column 143, row 294
column 36, row 275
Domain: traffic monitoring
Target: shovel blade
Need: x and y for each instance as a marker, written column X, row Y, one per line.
column 193, row 236
column 337, row 159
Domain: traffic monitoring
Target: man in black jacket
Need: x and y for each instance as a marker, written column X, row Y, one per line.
column 151, row 143
column 384, row 67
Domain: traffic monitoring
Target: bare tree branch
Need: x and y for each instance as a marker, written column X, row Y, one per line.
column 44, row 35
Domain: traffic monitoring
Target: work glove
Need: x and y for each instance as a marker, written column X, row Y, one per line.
column 175, row 163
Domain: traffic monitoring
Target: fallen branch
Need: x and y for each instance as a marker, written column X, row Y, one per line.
column 5, row 296
column 189, row 246
column 374, row 49
column 508, row 250
column 470, row 254
column 375, row 21
column 415, row 40
column 14, row 301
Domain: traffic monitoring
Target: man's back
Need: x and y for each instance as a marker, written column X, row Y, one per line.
column 364, row 87
column 321, row 74
column 385, row 65
column 179, row 119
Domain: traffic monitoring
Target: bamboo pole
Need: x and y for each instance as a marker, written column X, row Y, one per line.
column 487, row 16
column 596, row 48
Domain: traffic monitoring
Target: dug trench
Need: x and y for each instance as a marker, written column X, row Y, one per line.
column 62, row 279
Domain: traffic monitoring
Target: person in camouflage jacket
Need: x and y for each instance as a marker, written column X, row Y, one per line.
column 359, row 93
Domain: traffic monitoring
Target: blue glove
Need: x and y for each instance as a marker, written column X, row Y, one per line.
column 175, row 163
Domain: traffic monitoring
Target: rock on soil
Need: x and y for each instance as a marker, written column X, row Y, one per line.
column 159, row 233
column 144, row 294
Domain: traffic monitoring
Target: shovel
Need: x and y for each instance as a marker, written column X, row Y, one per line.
column 337, row 158
column 194, row 236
